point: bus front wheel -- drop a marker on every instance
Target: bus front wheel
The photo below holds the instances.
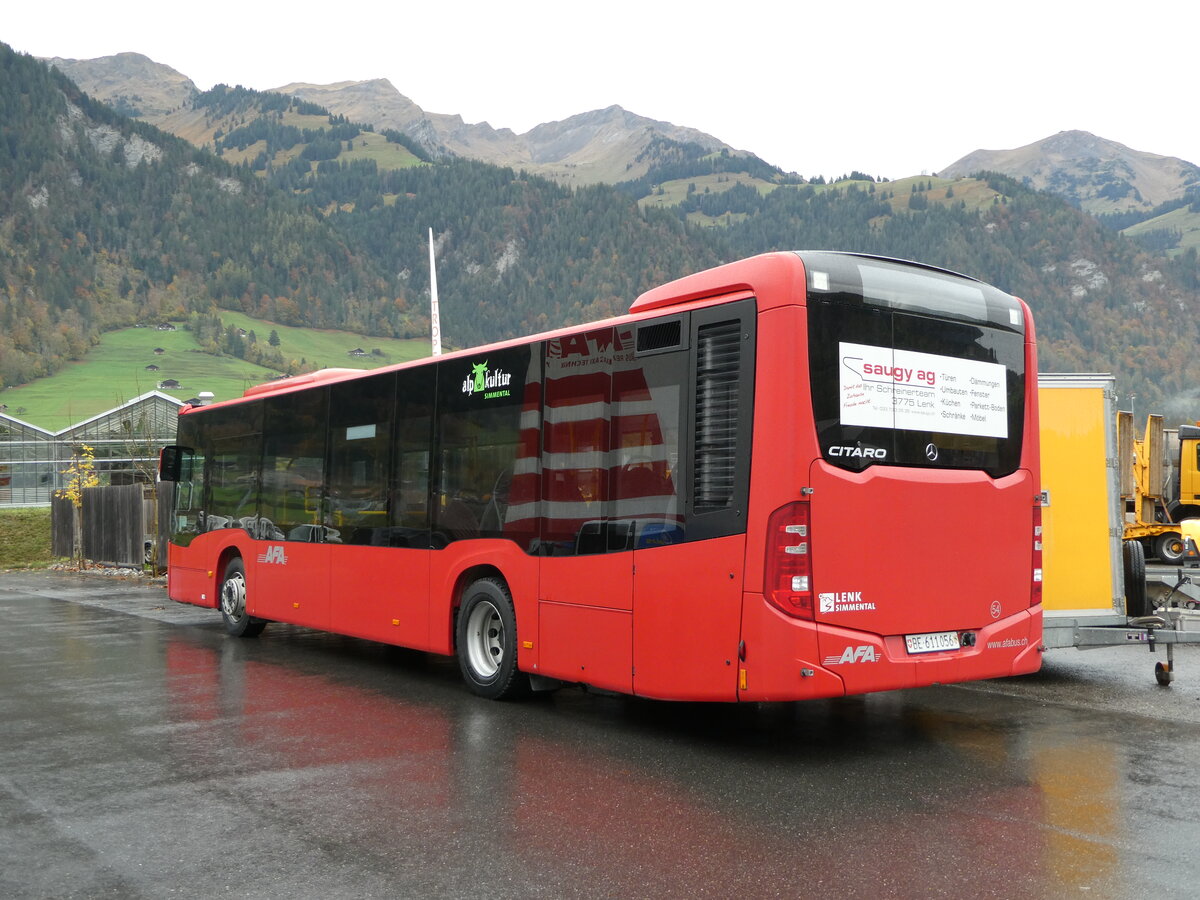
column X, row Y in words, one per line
column 486, row 641
column 238, row 622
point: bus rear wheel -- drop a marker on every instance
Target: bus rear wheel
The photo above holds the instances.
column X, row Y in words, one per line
column 486, row 641
column 238, row 622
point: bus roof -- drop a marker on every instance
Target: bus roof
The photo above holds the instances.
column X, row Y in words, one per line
column 769, row 275
column 775, row 279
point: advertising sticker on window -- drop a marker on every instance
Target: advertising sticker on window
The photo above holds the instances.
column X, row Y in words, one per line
column 886, row 388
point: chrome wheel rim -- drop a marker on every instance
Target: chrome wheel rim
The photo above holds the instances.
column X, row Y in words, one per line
column 485, row 639
column 233, row 596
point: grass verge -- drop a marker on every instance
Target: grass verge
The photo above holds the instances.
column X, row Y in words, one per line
column 25, row 538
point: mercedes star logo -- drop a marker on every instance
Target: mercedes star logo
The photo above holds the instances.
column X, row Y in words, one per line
column 931, row 452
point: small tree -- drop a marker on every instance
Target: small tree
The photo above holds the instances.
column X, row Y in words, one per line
column 80, row 474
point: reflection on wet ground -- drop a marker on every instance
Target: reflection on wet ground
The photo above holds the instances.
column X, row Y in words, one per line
column 144, row 752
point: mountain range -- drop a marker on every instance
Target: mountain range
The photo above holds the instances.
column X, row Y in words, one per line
column 609, row 145
column 310, row 206
column 605, row 145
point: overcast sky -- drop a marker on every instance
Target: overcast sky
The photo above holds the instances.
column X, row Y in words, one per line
column 887, row 88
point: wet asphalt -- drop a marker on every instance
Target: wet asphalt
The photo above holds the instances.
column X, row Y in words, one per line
column 144, row 754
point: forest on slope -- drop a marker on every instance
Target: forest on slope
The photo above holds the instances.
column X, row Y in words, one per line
column 106, row 222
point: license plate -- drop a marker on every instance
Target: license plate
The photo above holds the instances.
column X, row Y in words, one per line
column 932, row 643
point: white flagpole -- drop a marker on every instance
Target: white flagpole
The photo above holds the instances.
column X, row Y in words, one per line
column 435, row 316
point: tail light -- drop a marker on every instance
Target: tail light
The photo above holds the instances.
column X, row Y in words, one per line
column 1035, row 595
column 789, row 562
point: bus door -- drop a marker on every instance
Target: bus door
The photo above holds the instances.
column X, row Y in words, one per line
column 686, row 408
column 377, row 506
column 585, row 609
column 183, row 467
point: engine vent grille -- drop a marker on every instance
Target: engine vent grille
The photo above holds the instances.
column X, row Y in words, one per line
column 718, row 361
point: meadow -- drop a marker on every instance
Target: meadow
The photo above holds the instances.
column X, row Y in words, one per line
column 117, row 370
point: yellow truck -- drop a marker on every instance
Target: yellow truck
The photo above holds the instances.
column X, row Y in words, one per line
column 1095, row 591
column 1183, row 486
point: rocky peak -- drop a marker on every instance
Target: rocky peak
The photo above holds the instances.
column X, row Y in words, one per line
column 1099, row 174
column 130, row 82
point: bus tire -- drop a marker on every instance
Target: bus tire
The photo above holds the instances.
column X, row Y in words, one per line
column 1169, row 548
column 486, row 641
column 238, row 623
column 1137, row 603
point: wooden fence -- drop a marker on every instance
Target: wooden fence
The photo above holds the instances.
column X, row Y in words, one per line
column 61, row 527
column 121, row 525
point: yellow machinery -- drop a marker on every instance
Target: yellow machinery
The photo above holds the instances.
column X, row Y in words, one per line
column 1156, row 497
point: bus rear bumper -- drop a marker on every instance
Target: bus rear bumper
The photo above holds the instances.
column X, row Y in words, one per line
column 794, row 659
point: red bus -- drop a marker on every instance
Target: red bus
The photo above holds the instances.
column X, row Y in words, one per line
column 799, row 475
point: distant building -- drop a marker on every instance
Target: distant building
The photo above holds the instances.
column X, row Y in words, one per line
column 152, row 368
column 169, row 384
column 166, row 326
column 357, row 351
column 159, row 351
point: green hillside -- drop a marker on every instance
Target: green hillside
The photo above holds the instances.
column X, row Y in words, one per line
column 116, row 369
column 676, row 191
column 327, row 349
column 1179, row 229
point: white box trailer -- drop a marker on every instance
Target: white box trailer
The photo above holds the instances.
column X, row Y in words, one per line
column 1094, row 591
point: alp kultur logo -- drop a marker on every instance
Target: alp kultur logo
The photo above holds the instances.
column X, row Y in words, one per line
column 489, row 382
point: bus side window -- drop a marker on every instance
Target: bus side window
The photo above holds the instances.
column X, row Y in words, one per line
column 412, row 449
column 480, row 407
column 360, row 431
column 233, row 454
column 575, row 441
column 293, row 468
column 647, row 475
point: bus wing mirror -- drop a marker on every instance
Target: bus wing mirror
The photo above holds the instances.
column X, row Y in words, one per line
column 170, row 462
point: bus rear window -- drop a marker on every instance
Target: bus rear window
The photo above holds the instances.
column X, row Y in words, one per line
column 914, row 369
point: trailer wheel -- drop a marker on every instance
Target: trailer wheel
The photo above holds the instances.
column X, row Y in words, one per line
column 1137, row 603
column 1170, row 548
column 1163, row 674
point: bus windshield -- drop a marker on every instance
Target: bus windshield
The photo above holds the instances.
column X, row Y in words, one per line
column 913, row 366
